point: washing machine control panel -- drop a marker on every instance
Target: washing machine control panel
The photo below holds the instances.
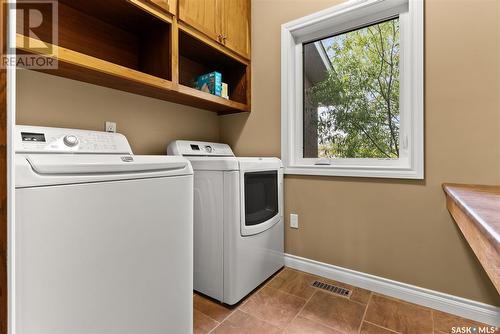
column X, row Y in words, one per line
column 198, row 148
column 55, row 140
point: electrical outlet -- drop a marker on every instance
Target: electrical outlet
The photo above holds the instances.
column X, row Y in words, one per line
column 294, row 220
column 110, row 127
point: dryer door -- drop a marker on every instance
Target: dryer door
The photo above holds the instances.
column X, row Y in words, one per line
column 261, row 200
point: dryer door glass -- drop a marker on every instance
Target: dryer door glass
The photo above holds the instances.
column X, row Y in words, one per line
column 261, row 197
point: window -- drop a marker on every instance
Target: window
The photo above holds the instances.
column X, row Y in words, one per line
column 351, row 94
column 352, row 91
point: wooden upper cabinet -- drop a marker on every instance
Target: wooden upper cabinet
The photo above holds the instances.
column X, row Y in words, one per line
column 169, row 6
column 202, row 15
column 225, row 21
column 236, row 26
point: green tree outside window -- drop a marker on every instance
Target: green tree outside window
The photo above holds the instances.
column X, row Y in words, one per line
column 357, row 102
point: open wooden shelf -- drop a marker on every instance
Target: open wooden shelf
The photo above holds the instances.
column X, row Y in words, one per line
column 197, row 58
column 125, row 35
column 127, row 46
column 205, row 100
column 79, row 66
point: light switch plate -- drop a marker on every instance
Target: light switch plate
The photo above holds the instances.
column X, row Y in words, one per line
column 110, row 127
column 294, row 220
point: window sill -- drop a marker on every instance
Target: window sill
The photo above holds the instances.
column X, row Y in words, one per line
column 381, row 172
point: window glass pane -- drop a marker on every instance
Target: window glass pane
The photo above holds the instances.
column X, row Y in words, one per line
column 351, row 94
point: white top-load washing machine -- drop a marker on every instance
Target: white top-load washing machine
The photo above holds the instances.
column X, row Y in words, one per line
column 102, row 238
column 238, row 219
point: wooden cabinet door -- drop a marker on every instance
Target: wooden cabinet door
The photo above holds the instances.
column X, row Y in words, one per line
column 167, row 5
column 236, row 26
column 204, row 15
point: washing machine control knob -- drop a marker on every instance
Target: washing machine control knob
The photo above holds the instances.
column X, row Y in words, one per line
column 209, row 149
column 70, row 140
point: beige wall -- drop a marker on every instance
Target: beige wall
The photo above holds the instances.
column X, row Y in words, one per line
column 149, row 124
column 395, row 229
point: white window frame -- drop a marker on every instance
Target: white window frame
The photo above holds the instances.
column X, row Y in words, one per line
column 341, row 18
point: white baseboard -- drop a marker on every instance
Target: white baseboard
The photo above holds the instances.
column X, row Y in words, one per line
column 462, row 307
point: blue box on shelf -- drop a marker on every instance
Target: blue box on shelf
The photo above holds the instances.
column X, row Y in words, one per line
column 210, row 83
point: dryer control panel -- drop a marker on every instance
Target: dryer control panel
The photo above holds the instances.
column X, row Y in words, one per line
column 34, row 139
column 199, row 148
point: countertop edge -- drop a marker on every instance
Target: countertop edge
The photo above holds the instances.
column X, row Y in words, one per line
column 489, row 232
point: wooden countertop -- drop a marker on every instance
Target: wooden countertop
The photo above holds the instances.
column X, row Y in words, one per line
column 476, row 210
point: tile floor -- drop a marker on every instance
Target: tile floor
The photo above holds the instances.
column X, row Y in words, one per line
column 288, row 304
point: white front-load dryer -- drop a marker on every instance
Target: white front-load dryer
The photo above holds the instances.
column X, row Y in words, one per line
column 238, row 219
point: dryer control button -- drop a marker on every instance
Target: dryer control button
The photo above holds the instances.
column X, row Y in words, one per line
column 209, row 149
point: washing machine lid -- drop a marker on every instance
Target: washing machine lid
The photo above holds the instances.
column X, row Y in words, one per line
column 56, row 169
column 52, row 164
